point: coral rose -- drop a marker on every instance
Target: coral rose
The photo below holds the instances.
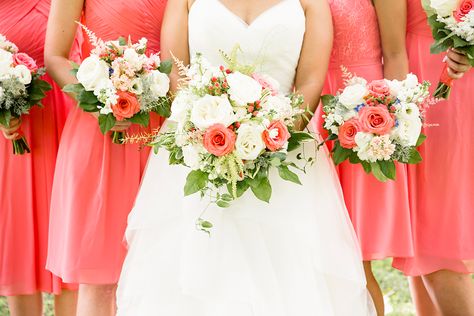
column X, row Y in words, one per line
column 379, row 88
column 219, row 140
column 348, row 132
column 376, row 120
column 25, row 60
column 464, row 8
column 126, row 107
column 276, row 135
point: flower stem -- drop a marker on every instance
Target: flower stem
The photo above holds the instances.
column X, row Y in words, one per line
column 118, row 137
column 20, row 146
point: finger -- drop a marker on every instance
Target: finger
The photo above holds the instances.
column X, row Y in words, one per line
column 457, row 67
column 455, row 75
column 460, row 59
column 457, row 51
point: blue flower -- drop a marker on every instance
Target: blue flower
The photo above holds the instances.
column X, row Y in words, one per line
column 360, row 106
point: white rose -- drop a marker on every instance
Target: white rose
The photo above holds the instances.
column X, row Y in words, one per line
column 210, row 110
column 132, row 58
column 444, row 8
column 249, row 143
column 159, row 83
column 181, row 107
column 192, row 155
column 6, row 60
column 22, row 73
column 353, row 95
column 243, row 89
column 92, row 72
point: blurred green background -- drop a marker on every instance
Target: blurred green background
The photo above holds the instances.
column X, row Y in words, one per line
column 394, row 286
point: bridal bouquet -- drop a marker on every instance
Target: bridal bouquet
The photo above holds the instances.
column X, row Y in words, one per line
column 452, row 23
column 20, row 88
column 377, row 123
column 231, row 125
column 121, row 82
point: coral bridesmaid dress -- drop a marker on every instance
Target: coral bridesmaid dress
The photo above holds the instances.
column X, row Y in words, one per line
column 442, row 186
column 26, row 181
column 96, row 181
column 379, row 211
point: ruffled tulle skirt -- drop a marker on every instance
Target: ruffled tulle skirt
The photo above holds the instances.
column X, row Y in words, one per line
column 295, row 256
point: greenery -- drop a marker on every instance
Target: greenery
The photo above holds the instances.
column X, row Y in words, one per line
column 394, row 286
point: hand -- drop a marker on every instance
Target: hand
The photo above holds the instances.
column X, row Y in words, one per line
column 458, row 64
column 11, row 132
column 119, row 125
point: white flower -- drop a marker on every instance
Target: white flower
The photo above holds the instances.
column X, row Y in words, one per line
column 395, row 86
column 133, row 58
column 192, row 155
column 243, row 89
column 249, row 143
column 181, row 106
column 210, row 110
column 159, row 83
column 363, row 140
column 353, row 95
column 277, row 106
column 6, row 60
column 444, row 7
column 1, row 93
column 22, row 73
column 92, row 72
column 136, row 86
column 411, row 82
column 107, row 95
column 409, row 124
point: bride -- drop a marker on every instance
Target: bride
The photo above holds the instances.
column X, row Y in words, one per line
column 295, row 256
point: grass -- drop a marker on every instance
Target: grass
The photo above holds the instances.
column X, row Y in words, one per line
column 394, row 287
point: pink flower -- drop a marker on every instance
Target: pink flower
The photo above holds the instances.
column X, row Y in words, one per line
column 126, row 107
column 219, row 140
column 464, row 8
column 267, row 83
column 25, row 60
column 376, row 120
column 379, row 89
column 276, row 136
column 347, row 133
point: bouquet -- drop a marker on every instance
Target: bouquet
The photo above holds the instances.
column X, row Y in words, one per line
column 230, row 126
column 20, row 88
column 121, row 82
column 377, row 123
column 452, row 23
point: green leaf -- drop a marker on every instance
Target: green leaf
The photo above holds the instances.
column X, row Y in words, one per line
column 367, row 167
column 263, row 191
column 377, row 172
column 354, row 159
column 288, row 175
column 420, row 140
column 122, row 41
column 75, row 88
column 340, row 153
column 297, row 138
column 37, row 91
column 163, row 107
column 415, row 157
column 459, row 42
column 106, row 122
column 195, row 182
column 242, row 187
column 166, row 66
column 5, row 117
column 388, row 169
column 87, row 97
column 327, row 99
column 222, row 203
column 142, row 118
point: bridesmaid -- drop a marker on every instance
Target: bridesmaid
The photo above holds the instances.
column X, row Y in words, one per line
column 95, row 181
column 441, row 187
column 26, row 181
column 379, row 211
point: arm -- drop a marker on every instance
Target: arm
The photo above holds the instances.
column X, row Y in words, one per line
column 60, row 36
column 174, row 35
column 315, row 54
column 392, row 17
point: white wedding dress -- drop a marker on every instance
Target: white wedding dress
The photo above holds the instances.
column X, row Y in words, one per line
column 297, row 256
